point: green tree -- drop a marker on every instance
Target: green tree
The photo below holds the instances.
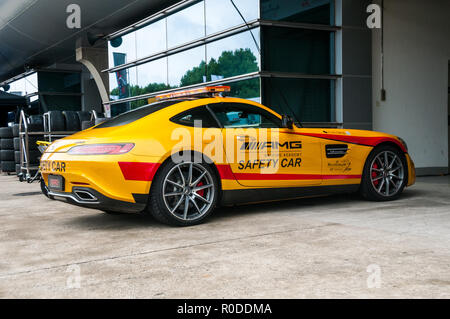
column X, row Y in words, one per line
column 230, row 63
column 136, row 90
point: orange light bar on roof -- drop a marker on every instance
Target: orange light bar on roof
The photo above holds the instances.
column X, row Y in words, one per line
column 212, row 90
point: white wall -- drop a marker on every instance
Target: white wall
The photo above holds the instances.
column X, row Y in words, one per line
column 416, row 55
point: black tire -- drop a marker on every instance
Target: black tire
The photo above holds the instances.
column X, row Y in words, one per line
column 35, row 127
column 368, row 187
column 32, row 146
column 16, row 142
column 83, row 116
column 57, row 121
column 15, row 129
column 35, row 156
column 36, row 119
column 87, row 124
column 7, row 144
column 72, row 121
column 6, row 132
column 8, row 166
column 7, row 155
column 157, row 206
column 17, row 157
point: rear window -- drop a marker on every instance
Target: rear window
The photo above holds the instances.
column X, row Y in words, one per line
column 134, row 115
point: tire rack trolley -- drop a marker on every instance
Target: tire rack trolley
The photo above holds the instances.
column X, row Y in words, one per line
column 24, row 135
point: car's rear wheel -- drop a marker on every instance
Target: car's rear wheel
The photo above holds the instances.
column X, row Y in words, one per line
column 183, row 194
column 385, row 174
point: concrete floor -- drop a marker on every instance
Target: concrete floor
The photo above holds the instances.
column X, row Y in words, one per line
column 311, row 248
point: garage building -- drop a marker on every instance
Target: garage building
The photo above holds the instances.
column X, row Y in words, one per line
column 317, row 60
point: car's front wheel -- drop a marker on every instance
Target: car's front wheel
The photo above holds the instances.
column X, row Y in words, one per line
column 385, row 174
column 183, row 194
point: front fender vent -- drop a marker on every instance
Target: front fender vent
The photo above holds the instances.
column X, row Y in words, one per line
column 336, row 150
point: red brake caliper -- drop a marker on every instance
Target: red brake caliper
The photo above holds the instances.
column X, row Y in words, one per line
column 202, row 191
column 374, row 174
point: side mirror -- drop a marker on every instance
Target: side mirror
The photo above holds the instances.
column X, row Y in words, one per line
column 287, row 122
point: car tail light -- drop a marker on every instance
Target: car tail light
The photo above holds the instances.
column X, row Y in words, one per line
column 101, row 149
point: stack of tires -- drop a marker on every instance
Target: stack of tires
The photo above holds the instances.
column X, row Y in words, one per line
column 16, row 142
column 69, row 121
column 7, row 150
column 36, row 124
column 86, row 122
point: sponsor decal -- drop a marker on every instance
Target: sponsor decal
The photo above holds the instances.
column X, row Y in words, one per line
column 290, row 145
column 340, row 166
column 53, row 166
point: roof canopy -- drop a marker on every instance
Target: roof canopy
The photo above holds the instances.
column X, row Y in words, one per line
column 8, row 99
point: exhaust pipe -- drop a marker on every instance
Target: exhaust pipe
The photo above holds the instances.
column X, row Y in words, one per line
column 85, row 195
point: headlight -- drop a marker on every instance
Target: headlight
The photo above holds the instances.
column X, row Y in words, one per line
column 404, row 143
column 101, row 149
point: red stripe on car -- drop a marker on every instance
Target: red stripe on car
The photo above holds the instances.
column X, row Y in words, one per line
column 367, row 141
column 225, row 172
column 138, row 171
column 286, row 177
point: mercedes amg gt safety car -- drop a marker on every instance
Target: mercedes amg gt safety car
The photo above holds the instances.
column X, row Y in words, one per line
column 181, row 156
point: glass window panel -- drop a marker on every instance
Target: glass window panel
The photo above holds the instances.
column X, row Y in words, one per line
column 239, row 115
column 187, row 67
column 309, row 100
column 199, row 116
column 297, row 50
column 186, row 25
column 24, row 86
column 232, row 56
column 17, row 87
column 31, row 83
column 313, row 11
column 221, row 14
column 127, row 47
column 152, row 73
column 122, row 82
column 146, row 78
column 151, row 39
column 246, row 89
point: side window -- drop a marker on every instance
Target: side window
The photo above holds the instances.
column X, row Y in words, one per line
column 239, row 115
column 199, row 115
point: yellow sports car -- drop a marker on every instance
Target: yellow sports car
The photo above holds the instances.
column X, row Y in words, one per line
column 180, row 157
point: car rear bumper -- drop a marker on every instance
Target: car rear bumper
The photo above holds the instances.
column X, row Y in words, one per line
column 90, row 198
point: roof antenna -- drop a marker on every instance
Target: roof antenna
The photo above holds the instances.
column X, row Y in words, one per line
column 259, row 51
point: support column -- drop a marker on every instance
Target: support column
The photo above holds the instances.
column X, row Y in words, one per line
column 95, row 59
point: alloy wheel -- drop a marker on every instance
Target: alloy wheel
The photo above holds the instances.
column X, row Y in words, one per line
column 188, row 191
column 387, row 173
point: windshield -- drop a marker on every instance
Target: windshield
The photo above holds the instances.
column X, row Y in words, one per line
column 136, row 114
